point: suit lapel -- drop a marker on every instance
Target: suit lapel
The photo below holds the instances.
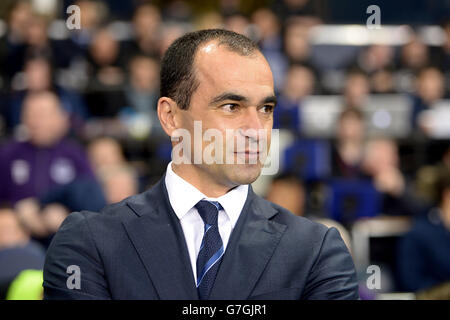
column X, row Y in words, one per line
column 158, row 238
column 251, row 246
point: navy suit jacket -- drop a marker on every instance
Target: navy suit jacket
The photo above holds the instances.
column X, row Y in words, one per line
column 136, row 249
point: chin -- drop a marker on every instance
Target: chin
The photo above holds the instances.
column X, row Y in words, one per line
column 246, row 173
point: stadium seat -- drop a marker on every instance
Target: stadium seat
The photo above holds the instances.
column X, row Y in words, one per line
column 374, row 242
column 310, row 159
column 351, row 199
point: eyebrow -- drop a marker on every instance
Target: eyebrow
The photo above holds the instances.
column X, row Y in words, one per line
column 237, row 97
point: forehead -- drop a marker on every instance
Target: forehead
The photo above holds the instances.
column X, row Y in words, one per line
column 41, row 103
column 219, row 69
column 7, row 215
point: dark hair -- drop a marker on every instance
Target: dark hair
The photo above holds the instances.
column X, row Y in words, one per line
column 36, row 94
column 351, row 112
column 177, row 72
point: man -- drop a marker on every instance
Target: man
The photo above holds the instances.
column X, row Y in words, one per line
column 35, row 172
column 201, row 232
column 423, row 259
column 47, row 159
column 18, row 252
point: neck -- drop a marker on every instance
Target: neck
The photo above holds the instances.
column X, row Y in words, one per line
column 201, row 180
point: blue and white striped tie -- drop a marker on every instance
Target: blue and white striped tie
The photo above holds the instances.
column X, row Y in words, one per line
column 211, row 249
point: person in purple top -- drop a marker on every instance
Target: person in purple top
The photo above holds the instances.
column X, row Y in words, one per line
column 47, row 159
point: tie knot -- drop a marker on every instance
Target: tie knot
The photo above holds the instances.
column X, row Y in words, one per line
column 209, row 211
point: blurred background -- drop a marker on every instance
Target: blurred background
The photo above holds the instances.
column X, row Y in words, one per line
column 363, row 113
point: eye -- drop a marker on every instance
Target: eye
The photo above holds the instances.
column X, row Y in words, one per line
column 230, row 107
column 268, row 108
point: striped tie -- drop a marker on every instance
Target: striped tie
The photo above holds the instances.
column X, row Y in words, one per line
column 211, row 249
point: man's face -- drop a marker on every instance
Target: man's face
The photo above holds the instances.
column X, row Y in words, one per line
column 235, row 94
column 44, row 119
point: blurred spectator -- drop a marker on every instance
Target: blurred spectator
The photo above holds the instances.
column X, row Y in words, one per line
column 104, row 153
column 83, row 193
column 92, row 14
column 413, row 57
column 296, row 43
column 14, row 42
column 269, row 37
column 383, row 81
column 38, row 76
column 105, row 96
column 376, row 57
column 377, row 61
column 428, row 175
column 423, row 257
column 17, row 251
column 288, row 191
column 41, row 223
column 381, row 163
column 142, row 92
column 144, row 77
column 238, row 23
column 46, row 169
column 356, row 90
column 11, row 232
column 37, row 36
column 119, row 182
column 59, row 51
column 43, row 216
column 298, row 83
column 47, row 159
column 430, row 88
column 348, row 151
column 269, row 29
column 170, row 32
column 147, row 31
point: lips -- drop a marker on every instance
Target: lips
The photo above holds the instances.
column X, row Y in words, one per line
column 247, row 152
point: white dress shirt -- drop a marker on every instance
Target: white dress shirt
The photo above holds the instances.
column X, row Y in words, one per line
column 183, row 197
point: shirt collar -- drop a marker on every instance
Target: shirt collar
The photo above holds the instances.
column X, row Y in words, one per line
column 183, row 196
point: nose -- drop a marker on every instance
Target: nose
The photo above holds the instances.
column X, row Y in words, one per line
column 252, row 122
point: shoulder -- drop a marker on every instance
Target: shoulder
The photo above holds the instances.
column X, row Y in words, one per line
column 297, row 226
column 425, row 228
column 111, row 217
column 11, row 147
column 322, row 253
column 317, row 237
column 14, row 150
column 71, row 145
column 72, row 150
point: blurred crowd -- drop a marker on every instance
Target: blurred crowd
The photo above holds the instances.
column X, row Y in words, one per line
column 78, row 124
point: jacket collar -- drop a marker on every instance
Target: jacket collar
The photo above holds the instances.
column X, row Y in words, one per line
column 158, row 238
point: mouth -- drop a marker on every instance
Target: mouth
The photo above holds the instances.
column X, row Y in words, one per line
column 247, row 152
column 249, row 157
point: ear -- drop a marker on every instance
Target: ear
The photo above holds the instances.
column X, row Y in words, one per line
column 167, row 114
